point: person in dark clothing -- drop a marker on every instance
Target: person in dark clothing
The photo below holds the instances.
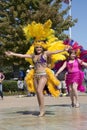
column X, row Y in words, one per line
column 2, row 77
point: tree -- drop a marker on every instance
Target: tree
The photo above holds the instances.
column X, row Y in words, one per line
column 14, row 14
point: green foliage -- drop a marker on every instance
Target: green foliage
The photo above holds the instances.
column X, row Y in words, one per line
column 15, row 14
column 10, row 86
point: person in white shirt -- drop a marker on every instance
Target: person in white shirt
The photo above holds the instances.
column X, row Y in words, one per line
column 20, row 84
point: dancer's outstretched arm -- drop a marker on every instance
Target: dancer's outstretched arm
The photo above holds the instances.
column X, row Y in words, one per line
column 10, row 53
column 61, row 69
column 58, row 51
column 82, row 63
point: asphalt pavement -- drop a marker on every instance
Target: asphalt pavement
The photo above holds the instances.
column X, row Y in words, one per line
column 22, row 113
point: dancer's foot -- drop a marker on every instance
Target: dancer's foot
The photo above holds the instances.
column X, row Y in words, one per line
column 41, row 114
column 73, row 105
column 77, row 105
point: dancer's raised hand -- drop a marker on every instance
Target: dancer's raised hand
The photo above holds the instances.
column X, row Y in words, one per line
column 9, row 53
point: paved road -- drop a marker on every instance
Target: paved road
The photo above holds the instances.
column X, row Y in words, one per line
column 21, row 114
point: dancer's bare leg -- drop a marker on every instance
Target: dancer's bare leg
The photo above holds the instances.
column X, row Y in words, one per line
column 40, row 96
column 71, row 95
column 75, row 85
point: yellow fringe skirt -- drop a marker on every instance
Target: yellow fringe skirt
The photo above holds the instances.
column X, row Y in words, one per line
column 52, row 82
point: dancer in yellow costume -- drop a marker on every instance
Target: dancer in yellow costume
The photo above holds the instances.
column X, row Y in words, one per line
column 41, row 75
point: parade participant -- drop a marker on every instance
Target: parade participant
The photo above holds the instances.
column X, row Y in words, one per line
column 45, row 50
column 74, row 76
column 2, row 77
column 42, row 73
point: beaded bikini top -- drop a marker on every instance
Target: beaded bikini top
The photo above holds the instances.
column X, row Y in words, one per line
column 41, row 60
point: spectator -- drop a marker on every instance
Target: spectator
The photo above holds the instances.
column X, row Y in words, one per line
column 20, row 84
column 22, row 74
column 62, row 85
column 2, row 77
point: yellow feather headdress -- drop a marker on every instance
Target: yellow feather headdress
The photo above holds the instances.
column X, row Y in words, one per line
column 43, row 35
column 38, row 31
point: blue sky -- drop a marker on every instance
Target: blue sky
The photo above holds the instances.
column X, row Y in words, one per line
column 79, row 31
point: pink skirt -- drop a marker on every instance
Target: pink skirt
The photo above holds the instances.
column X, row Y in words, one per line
column 75, row 77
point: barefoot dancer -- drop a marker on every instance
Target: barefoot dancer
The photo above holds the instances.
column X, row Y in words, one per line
column 74, row 76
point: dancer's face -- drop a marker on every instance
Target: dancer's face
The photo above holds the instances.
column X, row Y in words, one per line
column 39, row 49
column 73, row 55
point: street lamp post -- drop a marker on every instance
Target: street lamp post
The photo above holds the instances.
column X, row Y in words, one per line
column 70, row 14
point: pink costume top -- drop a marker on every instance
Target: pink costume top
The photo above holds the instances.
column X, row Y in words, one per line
column 75, row 75
column 73, row 67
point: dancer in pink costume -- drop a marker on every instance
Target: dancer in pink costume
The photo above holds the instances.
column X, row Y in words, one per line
column 74, row 76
